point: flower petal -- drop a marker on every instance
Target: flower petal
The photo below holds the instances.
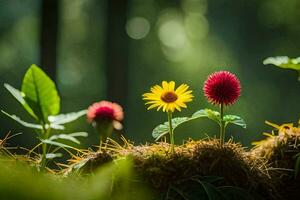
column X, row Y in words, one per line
column 171, row 86
column 165, row 85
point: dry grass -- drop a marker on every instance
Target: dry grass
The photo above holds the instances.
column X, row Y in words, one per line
column 279, row 150
column 160, row 168
column 31, row 158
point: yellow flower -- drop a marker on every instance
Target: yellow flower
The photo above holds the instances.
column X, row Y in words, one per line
column 167, row 98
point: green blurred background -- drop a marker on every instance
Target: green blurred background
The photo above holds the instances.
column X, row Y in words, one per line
column 116, row 50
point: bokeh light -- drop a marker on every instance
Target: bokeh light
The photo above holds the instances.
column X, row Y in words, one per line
column 137, row 28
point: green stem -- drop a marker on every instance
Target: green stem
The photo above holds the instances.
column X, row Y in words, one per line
column 222, row 125
column 45, row 135
column 105, row 130
column 171, row 131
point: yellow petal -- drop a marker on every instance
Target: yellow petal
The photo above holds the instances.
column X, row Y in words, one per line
column 151, row 102
column 160, row 106
column 156, row 89
column 181, row 104
column 171, row 107
column 181, row 89
column 177, row 107
column 171, row 86
column 165, row 85
column 153, row 106
column 165, row 107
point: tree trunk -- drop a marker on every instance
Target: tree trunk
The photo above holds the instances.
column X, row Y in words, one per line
column 48, row 36
column 116, row 51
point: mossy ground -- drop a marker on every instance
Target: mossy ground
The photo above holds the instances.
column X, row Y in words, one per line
column 267, row 169
column 160, row 168
column 279, row 150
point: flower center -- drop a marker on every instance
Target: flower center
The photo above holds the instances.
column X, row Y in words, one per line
column 169, row 97
column 104, row 113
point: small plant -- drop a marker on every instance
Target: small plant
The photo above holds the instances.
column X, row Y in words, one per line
column 285, row 63
column 39, row 97
column 221, row 88
column 105, row 116
column 168, row 99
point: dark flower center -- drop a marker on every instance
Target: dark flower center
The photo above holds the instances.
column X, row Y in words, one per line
column 104, row 113
column 169, row 97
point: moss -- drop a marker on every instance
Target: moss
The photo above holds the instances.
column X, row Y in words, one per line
column 160, row 168
column 279, row 151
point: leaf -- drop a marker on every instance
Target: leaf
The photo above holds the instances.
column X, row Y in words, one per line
column 211, row 191
column 234, row 119
column 64, row 137
column 55, row 126
column 211, row 114
column 206, row 191
column 53, row 155
column 57, row 144
column 79, row 134
column 66, row 118
column 26, row 124
column 40, row 93
column 235, row 193
column 31, row 125
column 19, row 97
column 210, row 179
column 284, row 62
column 70, row 137
column 163, row 129
column 297, row 165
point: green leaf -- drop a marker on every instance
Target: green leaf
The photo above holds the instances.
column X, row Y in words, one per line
column 64, row 137
column 79, row 134
column 190, row 190
column 31, row 125
column 210, row 179
column 284, row 62
column 26, row 124
column 19, row 97
column 297, row 165
column 234, row 119
column 235, row 193
column 211, row 114
column 53, row 155
column 40, row 93
column 163, row 129
column 57, row 144
column 66, row 118
column 55, row 126
column 210, row 190
column 70, row 137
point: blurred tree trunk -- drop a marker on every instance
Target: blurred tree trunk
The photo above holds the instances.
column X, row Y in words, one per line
column 48, row 36
column 117, row 51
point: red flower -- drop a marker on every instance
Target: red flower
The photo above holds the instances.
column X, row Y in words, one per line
column 105, row 110
column 222, row 88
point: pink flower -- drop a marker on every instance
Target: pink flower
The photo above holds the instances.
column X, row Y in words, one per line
column 222, row 87
column 105, row 110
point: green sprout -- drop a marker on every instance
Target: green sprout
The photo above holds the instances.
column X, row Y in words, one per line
column 40, row 99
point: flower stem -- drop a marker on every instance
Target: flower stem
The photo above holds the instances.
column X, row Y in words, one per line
column 171, row 131
column 222, row 125
column 105, row 129
column 45, row 133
